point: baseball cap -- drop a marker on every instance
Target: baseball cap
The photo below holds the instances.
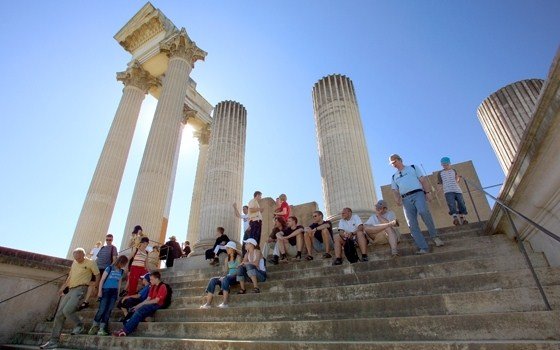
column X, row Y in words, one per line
column 445, row 160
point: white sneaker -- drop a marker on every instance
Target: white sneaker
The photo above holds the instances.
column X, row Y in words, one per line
column 422, row 252
column 223, row 306
column 438, row 242
column 205, row 306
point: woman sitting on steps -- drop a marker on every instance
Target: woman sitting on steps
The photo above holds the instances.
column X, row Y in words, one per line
column 253, row 266
column 226, row 281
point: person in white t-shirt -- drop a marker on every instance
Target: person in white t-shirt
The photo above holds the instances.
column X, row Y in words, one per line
column 93, row 253
column 448, row 182
column 350, row 231
column 380, row 227
column 244, row 218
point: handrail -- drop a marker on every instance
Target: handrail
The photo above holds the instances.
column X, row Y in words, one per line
column 508, row 210
column 505, row 206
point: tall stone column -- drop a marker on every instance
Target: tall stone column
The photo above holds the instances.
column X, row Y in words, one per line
column 97, row 210
column 223, row 183
column 343, row 156
column 504, row 116
column 203, row 137
column 156, row 170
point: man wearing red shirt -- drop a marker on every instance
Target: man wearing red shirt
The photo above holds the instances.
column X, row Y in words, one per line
column 155, row 300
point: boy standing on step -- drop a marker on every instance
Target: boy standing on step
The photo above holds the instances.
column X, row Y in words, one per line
column 448, row 180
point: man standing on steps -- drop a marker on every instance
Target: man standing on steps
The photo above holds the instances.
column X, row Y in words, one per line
column 412, row 190
column 255, row 217
column 72, row 292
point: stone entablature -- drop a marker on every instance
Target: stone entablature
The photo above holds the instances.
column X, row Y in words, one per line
column 148, row 23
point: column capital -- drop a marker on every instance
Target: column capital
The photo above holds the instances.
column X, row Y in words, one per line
column 203, row 135
column 188, row 113
column 138, row 77
column 183, row 47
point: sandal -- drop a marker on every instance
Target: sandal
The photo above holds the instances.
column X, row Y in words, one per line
column 242, row 291
column 83, row 305
column 256, row 290
column 309, row 258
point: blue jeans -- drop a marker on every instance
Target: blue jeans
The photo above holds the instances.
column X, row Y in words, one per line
column 414, row 205
column 138, row 316
column 248, row 270
column 455, row 203
column 223, row 282
column 108, row 299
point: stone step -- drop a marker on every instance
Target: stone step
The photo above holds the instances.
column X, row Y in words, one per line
column 294, row 303
column 368, row 272
column 450, row 284
column 526, row 325
column 493, row 301
column 113, row 343
column 406, row 242
column 481, row 247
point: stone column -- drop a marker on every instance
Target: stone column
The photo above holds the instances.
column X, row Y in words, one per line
column 154, row 177
column 504, row 116
column 223, row 182
column 343, row 155
column 203, row 137
column 95, row 217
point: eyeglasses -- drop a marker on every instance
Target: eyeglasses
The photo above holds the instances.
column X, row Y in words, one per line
column 109, row 240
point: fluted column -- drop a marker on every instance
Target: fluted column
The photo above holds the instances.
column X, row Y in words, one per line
column 343, row 156
column 224, row 173
column 203, row 137
column 97, row 210
column 156, row 170
column 504, row 116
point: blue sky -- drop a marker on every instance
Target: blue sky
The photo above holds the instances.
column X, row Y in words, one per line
column 420, row 69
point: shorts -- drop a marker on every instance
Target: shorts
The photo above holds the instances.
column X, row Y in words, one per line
column 319, row 245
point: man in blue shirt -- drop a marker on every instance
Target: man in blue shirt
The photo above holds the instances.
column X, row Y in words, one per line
column 411, row 190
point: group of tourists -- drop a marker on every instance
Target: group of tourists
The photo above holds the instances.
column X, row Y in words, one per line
column 410, row 189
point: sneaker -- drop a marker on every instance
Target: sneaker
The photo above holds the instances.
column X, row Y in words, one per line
column 205, row 306
column 465, row 221
column 455, row 221
column 422, row 251
column 119, row 333
column 51, row 344
column 337, row 261
column 365, row 258
column 103, row 332
column 327, row 256
column 438, row 242
column 93, row 330
column 394, row 253
column 274, row 260
column 223, row 306
column 79, row 329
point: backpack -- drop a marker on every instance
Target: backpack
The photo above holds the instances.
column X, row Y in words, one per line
column 168, row 296
column 350, row 251
column 164, row 251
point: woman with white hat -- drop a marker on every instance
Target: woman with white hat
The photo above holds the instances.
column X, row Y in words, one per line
column 226, row 281
column 253, row 267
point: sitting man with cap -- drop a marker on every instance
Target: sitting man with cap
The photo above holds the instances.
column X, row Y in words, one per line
column 130, row 301
column 253, row 267
column 380, row 227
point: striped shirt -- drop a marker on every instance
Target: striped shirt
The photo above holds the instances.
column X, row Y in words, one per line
column 448, row 178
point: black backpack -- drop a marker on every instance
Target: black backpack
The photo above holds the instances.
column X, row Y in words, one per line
column 167, row 300
column 350, row 251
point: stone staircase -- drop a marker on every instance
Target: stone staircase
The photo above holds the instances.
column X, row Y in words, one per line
column 473, row 293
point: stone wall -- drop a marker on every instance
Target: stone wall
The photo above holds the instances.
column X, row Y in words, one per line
column 438, row 206
column 532, row 186
column 20, row 271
